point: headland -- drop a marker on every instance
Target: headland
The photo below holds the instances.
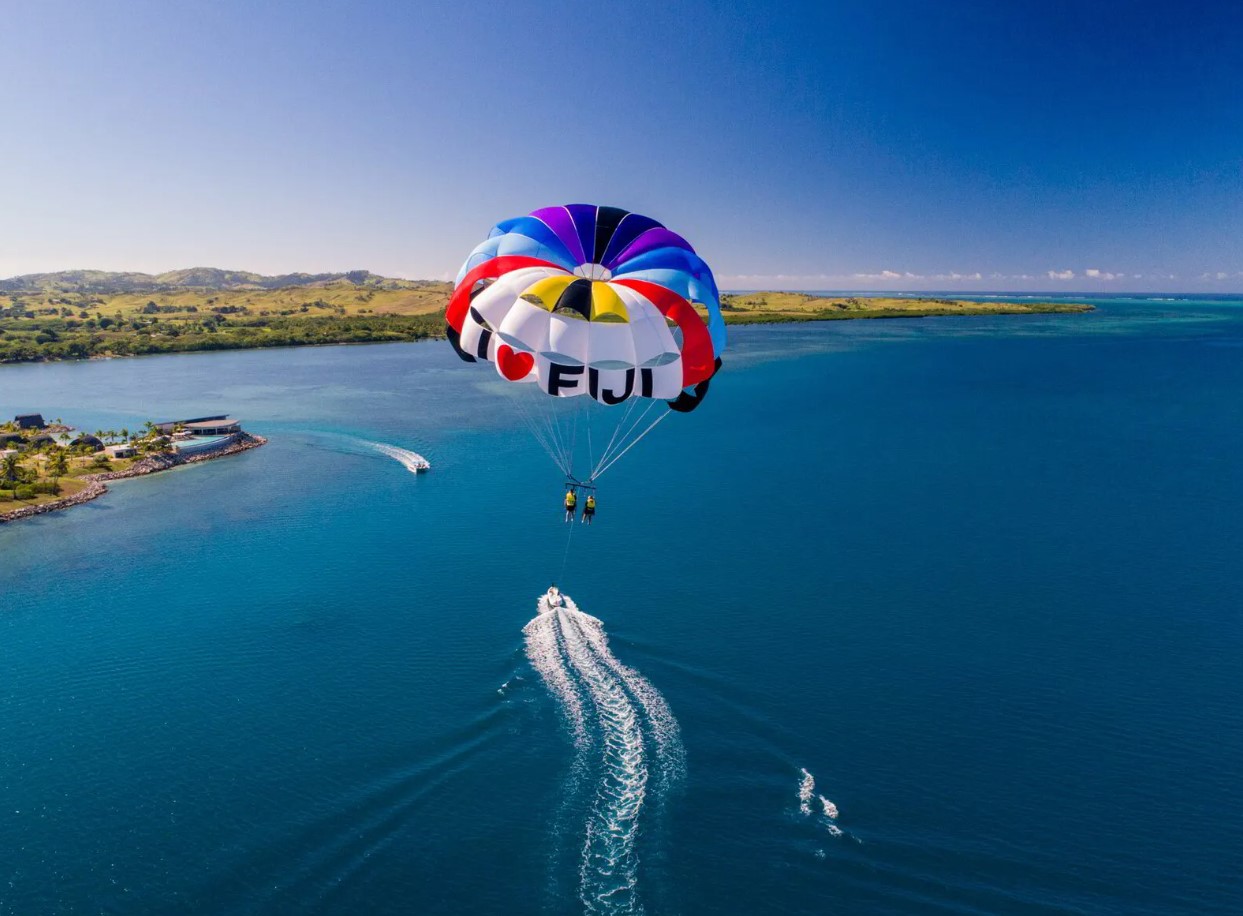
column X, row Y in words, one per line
column 45, row 467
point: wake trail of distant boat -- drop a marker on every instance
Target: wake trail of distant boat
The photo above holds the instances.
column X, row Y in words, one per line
column 619, row 723
column 828, row 810
column 353, row 445
column 411, row 461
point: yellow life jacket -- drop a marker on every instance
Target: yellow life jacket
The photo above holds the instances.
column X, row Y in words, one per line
column 570, row 500
column 591, row 502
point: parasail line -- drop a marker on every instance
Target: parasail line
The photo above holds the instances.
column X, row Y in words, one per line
column 542, row 437
column 565, row 557
column 629, row 410
column 539, row 435
column 573, row 439
column 622, row 439
column 633, row 444
column 591, row 459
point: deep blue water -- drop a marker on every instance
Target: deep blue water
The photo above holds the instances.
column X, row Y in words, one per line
column 980, row 577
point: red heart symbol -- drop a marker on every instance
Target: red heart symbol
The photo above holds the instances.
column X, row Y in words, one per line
column 513, row 366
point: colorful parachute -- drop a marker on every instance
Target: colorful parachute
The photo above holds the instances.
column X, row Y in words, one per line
column 586, row 300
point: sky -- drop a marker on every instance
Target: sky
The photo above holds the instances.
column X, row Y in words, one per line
column 952, row 145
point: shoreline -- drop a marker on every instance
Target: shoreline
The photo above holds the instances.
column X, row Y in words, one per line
column 152, row 464
column 812, row 308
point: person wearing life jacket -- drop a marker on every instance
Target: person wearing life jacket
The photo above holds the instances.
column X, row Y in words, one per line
column 571, row 503
column 589, row 509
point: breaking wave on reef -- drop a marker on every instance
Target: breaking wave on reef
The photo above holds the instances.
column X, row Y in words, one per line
column 627, row 743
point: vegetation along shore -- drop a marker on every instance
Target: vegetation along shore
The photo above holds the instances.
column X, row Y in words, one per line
column 82, row 314
column 49, row 466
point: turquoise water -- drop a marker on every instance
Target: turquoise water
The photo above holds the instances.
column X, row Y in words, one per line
column 198, row 442
column 979, row 577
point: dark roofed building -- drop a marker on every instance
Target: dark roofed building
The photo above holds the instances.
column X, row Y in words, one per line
column 7, row 439
column 29, row 421
column 217, row 426
column 40, row 441
column 93, row 441
column 197, row 424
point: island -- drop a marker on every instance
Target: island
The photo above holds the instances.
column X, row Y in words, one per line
column 48, row 466
column 85, row 314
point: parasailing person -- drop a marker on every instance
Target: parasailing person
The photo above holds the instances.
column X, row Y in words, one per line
column 589, row 311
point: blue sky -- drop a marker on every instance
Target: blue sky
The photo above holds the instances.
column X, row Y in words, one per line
column 906, row 145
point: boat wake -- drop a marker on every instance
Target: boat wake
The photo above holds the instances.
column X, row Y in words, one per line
column 354, row 445
column 411, row 461
column 828, row 810
column 627, row 744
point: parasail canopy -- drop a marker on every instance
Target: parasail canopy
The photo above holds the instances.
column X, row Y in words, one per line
column 596, row 301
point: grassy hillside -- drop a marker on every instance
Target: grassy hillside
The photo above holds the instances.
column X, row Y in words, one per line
column 64, row 324
column 767, row 307
column 81, row 314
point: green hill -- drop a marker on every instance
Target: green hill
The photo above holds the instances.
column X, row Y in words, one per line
column 206, row 278
column 78, row 314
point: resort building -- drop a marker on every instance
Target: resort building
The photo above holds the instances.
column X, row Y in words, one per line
column 120, row 451
column 214, row 426
column 222, row 425
column 29, row 421
column 202, row 434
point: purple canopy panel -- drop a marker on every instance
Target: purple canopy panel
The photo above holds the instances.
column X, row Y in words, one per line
column 650, row 241
column 558, row 219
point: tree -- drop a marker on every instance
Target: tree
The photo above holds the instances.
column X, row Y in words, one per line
column 58, row 466
column 9, row 468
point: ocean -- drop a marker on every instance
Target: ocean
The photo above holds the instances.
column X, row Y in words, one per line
column 911, row 616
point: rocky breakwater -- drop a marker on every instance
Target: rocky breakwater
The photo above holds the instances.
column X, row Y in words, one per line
column 151, row 464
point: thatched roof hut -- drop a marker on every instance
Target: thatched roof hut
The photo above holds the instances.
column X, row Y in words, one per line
column 94, row 442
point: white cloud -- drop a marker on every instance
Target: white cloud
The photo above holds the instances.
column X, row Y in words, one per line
column 1061, row 275
column 1093, row 273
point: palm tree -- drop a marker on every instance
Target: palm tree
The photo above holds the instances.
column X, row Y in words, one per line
column 58, row 466
column 125, row 435
column 9, row 468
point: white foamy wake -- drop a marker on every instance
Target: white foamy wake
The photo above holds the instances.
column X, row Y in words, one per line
column 618, row 721
column 411, row 461
column 806, row 787
column 828, row 810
